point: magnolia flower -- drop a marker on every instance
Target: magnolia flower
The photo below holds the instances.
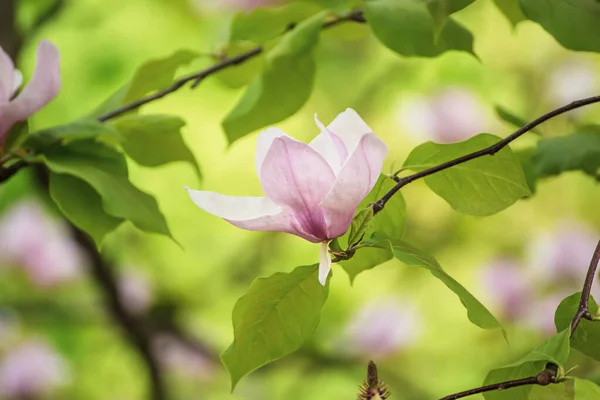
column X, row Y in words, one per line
column 31, row 370
column 448, row 116
column 42, row 88
column 312, row 190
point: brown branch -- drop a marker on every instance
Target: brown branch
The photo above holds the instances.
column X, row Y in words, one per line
column 583, row 311
column 491, row 150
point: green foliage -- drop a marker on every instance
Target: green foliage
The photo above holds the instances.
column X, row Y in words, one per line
column 283, row 87
column 82, row 205
column 262, row 24
column 105, row 170
column 512, row 118
column 585, row 389
column 483, row 186
column 577, row 151
column 78, row 130
column 390, row 221
column 360, row 224
column 555, row 350
column 153, row 140
column 277, row 315
column 558, row 18
column 15, row 136
column 511, row 10
column 407, row 27
column 152, row 76
column 242, row 74
column 586, row 337
column 383, row 249
column 440, row 10
column 525, row 157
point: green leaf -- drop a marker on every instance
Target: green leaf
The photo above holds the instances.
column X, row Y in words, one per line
column 558, row 18
column 574, row 152
column 512, row 118
column 277, row 315
column 483, row 186
column 263, row 24
column 390, row 221
column 82, row 205
column 585, row 389
column 407, row 27
column 359, row 225
column 371, row 254
column 440, row 10
column 153, row 140
column 152, row 76
column 240, row 75
column 525, row 158
column 105, row 170
column 78, row 130
column 555, row 350
column 15, row 136
column 384, row 249
column 283, row 87
column 586, row 337
column 511, row 10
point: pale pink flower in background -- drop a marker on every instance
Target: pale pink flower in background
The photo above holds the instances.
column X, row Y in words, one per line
column 574, row 79
column 539, row 314
column 178, row 356
column 508, row 287
column 42, row 246
column 382, row 328
column 450, row 115
column 42, row 88
column 312, row 190
column 30, row 370
column 135, row 290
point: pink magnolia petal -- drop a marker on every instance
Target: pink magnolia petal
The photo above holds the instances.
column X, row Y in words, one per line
column 324, row 262
column 350, row 128
column 330, row 146
column 355, row 180
column 251, row 213
column 263, row 144
column 42, row 88
column 295, row 176
column 6, row 76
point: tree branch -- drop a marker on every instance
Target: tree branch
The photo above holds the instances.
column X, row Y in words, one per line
column 544, row 378
column 493, row 149
column 583, row 311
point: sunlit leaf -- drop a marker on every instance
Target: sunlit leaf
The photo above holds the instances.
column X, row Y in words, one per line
column 15, row 136
column 382, row 249
column 578, row 151
column 585, row 389
column 407, row 27
column 392, row 219
column 283, row 87
column 153, row 140
column 82, row 205
column 152, row 76
column 277, row 315
column 440, row 10
column 241, row 74
column 512, row 118
column 555, row 350
column 525, row 158
column 558, row 16
column 78, row 130
column 511, row 10
column 586, row 337
column 359, row 225
column 263, row 24
column 483, row 186
column 105, row 170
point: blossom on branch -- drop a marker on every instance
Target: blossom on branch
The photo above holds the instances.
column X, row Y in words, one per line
column 42, row 88
column 312, row 190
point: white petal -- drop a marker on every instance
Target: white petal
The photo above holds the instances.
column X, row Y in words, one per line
column 350, row 127
column 330, row 146
column 6, row 76
column 324, row 262
column 233, row 208
column 263, row 144
column 17, row 81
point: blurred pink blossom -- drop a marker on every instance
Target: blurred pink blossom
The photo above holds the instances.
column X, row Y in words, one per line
column 508, row 287
column 42, row 246
column 540, row 313
column 574, row 79
column 135, row 290
column 382, row 328
column 30, row 370
column 182, row 358
column 452, row 114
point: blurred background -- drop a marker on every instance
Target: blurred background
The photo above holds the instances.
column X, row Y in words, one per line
column 58, row 339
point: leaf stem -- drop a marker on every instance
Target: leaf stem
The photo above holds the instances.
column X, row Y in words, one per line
column 491, row 150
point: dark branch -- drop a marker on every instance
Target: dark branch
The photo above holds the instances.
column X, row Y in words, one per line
column 493, row 149
column 544, row 378
column 583, row 311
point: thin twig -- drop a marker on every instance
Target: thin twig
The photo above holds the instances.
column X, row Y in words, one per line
column 583, row 311
column 544, row 378
column 491, row 150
